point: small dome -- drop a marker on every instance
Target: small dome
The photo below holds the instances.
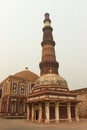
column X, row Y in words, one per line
column 27, row 75
column 51, row 80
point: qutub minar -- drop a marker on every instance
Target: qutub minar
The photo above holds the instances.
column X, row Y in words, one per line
column 45, row 98
column 50, row 99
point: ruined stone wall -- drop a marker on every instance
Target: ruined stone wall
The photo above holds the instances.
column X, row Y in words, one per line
column 82, row 106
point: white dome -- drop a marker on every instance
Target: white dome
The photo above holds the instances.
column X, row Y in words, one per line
column 51, row 80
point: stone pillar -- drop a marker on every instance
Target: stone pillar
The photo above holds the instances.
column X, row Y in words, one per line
column 76, row 112
column 32, row 118
column 0, row 104
column 69, row 112
column 57, row 112
column 28, row 112
column 46, row 112
column 40, row 112
column 7, row 106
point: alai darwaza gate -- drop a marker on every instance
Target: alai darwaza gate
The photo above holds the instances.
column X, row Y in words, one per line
column 50, row 99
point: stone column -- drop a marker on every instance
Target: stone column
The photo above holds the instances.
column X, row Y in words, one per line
column 40, row 112
column 7, row 106
column 32, row 118
column 28, row 112
column 76, row 112
column 57, row 112
column 46, row 112
column 69, row 112
column 0, row 104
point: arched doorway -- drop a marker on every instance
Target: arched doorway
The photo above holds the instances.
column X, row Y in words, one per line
column 20, row 107
column 13, row 107
column 36, row 114
column 72, row 111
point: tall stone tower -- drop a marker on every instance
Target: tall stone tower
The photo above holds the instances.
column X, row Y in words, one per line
column 48, row 63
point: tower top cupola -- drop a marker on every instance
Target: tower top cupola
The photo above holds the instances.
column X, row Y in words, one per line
column 47, row 20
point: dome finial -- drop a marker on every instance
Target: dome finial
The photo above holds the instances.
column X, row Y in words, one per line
column 26, row 68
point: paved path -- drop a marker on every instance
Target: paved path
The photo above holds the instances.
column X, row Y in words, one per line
column 13, row 124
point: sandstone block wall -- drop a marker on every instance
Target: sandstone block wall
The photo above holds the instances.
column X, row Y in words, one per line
column 82, row 106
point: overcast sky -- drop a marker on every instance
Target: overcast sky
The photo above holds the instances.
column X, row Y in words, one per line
column 21, row 23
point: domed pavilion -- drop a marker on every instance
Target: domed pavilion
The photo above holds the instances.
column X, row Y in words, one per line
column 50, row 99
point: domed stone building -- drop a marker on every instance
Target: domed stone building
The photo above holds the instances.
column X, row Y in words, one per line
column 50, row 99
column 15, row 89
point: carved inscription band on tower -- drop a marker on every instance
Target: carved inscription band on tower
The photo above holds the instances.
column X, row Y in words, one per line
column 48, row 62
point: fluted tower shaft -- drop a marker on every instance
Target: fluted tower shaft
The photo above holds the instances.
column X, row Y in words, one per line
column 48, row 62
